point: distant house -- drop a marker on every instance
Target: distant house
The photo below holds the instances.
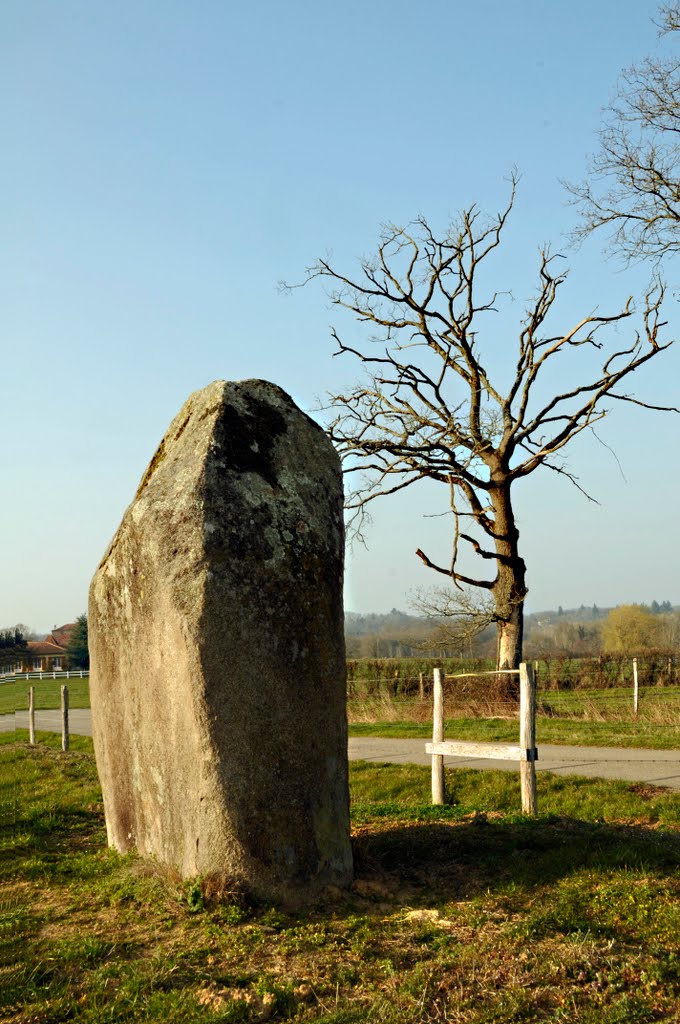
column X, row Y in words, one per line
column 48, row 655
column 60, row 635
column 43, row 656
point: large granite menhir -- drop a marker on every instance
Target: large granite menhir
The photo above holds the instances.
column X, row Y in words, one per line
column 217, row 650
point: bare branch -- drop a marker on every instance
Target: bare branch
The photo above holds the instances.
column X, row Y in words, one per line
column 633, row 191
column 458, row 616
column 573, row 479
column 457, row 577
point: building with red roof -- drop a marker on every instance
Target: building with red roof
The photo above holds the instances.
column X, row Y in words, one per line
column 48, row 655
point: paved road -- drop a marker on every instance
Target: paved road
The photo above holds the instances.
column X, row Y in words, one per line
column 657, row 767
column 79, row 720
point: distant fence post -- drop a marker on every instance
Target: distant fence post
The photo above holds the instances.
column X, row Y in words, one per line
column 437, row 737
column 636, row 689
column 527, row 738
column 31, row 715
column 64, row 717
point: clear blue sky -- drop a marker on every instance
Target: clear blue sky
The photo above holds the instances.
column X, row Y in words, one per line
column 165, row 164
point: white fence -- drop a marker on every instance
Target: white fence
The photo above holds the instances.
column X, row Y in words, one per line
column 18, row 677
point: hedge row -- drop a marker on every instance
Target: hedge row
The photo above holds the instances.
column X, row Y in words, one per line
column 401, row 677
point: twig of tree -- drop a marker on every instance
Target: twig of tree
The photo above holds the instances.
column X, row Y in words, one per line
column 633, row 186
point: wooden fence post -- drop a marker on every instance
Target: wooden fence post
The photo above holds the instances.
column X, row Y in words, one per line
column 437, row 737
column 527, row 738
column 636, row 689
column 31, row 715
column 64, row 717
column 421, row 687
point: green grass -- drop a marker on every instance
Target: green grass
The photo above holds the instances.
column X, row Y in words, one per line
column 548, row 730
column 582, row 718
column 656, row 705
column 465, row 913
column 14, row 696
column 51, row 740
column 575, row 699
column 382, row 789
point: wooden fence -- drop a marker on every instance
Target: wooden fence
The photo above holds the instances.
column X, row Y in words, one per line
column 64, row 717
column 525, row 752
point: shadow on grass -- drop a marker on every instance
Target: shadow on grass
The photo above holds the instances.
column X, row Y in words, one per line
column 446, row 861
column 463, row 859
column 55, row 818
column 58, row 827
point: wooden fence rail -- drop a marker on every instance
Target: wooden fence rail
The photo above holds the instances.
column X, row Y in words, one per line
column 525, row 752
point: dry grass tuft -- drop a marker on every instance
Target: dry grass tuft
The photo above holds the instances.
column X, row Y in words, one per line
column 221, row 889
column 382, row 708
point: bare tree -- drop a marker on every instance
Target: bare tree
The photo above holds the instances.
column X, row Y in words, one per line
column 633, row 187
column 428, row 408
column 458, row 616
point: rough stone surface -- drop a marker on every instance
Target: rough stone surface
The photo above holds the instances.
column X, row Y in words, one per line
column 217, row 650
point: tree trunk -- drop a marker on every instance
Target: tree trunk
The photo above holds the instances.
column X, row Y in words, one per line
column 510, row 635
column 509, row 590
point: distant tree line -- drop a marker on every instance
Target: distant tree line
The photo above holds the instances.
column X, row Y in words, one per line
column 12, row 641
column 583, row 632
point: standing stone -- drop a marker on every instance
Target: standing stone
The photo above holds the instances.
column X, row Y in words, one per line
column 217, row 650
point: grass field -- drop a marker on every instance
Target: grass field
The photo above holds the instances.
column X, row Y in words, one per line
column 653, row 700
column 465, row 913
column 548, row 730
column 582, row 718
column 14, row 696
